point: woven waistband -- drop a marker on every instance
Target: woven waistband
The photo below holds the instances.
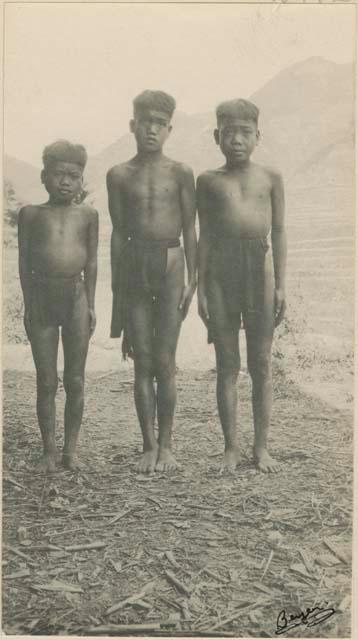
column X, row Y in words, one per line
column 233, row 239
column 40, row 277
column 149, row 243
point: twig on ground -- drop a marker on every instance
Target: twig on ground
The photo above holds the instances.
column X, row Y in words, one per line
column 179, row 585
column 88, row 545
column 336, row 551
column 19, row 553
column 123, row 628
column 135, row 597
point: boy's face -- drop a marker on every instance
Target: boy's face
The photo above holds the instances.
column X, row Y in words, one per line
column 237, row 139
column 63, row 181
column 151, row 128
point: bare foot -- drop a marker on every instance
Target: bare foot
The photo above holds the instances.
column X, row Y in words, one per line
column 166, row 461
column 47, row 464
column 265, row 462
column 231, row 458
column 71, row 462
column 147, row 462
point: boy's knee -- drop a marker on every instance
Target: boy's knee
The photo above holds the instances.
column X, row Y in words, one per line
column 164, row 365
column 227, row 363
column 144, row 364
column 47, row 386
column 260, row 366
column 74, row 385
column 228, row 370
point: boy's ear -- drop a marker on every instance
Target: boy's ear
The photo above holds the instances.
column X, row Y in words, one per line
column 170, row 128
column 43, row 173
column 216, row 136
column 258, row 136
column 131, row 125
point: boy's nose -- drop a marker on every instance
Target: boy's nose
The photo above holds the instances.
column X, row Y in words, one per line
column 238, row 138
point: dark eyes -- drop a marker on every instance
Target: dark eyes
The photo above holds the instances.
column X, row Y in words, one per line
column 231, row 132
column 73, row 176
column 158, row 123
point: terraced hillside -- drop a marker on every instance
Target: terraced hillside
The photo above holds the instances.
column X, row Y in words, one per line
column 307, row 131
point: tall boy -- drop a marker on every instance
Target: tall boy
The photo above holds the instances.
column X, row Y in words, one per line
column 58, row 271
column 239, row 204
column 151, row 202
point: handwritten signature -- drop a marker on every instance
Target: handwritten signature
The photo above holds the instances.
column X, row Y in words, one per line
column 309, row 617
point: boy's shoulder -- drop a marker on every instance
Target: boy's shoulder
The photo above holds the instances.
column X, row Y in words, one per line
column 270, row 172
column 207, row 176
column 28, row 211
column 180, row 169
column 119, row 171
column 87, row 210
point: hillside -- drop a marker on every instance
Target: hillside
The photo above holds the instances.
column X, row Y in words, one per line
column 25, row 179
column 307, row 131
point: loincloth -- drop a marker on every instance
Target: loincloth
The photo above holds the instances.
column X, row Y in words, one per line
column 53, row 299
column 237, row 267
column 142, row 270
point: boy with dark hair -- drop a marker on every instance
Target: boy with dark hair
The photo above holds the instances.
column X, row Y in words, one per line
column 239, row 204
column 151, row 202
column 58, row 271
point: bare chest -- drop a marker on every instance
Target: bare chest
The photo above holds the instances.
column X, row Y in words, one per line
column 150, row 187
column 59, row 229
column 238, row 195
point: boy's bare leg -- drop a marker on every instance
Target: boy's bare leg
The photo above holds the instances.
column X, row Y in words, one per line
column 259, row 336
column 228, row 366
column 75, row 340
column 44, row 345
column 144, row 392
column 168, row 323
column 226, row 343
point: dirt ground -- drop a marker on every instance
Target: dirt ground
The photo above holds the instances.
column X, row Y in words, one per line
column 190, row 553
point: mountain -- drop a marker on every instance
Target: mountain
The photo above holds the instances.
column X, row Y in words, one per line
column 25, row 180
column 306, row 120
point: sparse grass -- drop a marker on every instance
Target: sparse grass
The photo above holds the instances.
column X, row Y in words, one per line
column 212, row 532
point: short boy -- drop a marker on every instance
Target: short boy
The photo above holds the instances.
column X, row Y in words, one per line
column 58, row 271
column 239, row 204
column 151, row 202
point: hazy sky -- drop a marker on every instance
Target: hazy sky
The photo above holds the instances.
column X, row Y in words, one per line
column 71, row 70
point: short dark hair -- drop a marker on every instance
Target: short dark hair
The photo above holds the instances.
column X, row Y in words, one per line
column 238, row 108
column 158, row 100
column 64, row 151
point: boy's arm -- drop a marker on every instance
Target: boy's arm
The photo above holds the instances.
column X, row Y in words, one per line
column 118, row 237
column 90, row 271
column 188, row 208
column 204, row 247
column 279, row 245
column 24, row 222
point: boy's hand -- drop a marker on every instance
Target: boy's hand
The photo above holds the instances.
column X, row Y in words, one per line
column 280, row 306
column 186, row 298
column 92, row 322
column 27, row 323
column 203, row 308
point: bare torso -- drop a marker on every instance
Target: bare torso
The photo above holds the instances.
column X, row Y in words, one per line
column 238, row 203
column 150, row 198
column 59, row 239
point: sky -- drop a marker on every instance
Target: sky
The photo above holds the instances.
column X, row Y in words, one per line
column 72, row 70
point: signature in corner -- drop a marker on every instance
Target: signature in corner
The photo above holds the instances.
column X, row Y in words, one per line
column 309, row 617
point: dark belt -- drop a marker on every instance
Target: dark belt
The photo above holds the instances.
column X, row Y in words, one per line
column 40, row 277
column 155, row 244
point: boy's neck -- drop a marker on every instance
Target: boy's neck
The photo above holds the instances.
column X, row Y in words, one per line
column 238, row 166
column 52, row 202
column 150, row 157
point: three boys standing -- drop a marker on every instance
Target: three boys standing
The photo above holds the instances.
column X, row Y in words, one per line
column 152, row 203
